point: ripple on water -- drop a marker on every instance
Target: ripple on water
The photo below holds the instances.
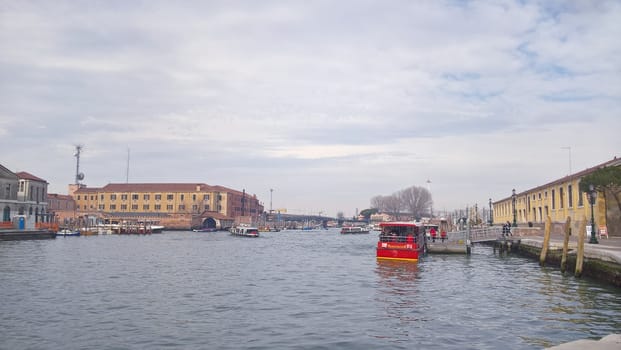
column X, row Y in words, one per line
column 287, row 290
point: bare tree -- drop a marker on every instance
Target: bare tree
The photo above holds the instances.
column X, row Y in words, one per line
column 393, row 204
column 379, row 203
column 416, row 200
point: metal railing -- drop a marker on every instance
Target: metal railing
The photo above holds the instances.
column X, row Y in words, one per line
column 477, row 235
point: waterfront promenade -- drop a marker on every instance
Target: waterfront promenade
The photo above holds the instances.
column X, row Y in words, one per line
column 607, row 249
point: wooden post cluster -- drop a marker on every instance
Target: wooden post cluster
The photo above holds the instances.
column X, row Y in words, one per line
column 567, row 229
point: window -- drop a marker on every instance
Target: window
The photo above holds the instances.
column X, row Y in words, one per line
column 570, row 196
column 124, row 197
column 146, row 197
column 193, row 197
column 134, row 197
column 194, row 207
column 561, row 197
column 78, row 197
column 205, row 197
column 158, row 207
column 134, row 206
column 206, row 206
column 169, row 197
column 158, row 197
column 113, row 197
column 123, row 206
column 580, row 198
column 112, row 206
column 102, row 207
column 145, row 207
column 101, row 197
column 181, row 206
column 169, row 207
column 553, row 201
column 92, row 197
column 182, row 196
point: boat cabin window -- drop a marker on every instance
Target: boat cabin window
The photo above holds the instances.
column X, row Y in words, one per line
column 398, row 233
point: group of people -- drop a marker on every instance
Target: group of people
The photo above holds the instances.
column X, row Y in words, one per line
column 434, row 234
column 506, row 229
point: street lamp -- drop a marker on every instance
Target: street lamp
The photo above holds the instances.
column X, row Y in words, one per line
column 491, row 213
column 271, row 190
column 592, row 197
column 514, row 210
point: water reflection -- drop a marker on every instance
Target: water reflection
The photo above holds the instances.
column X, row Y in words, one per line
column 397, row 293
column 389, row 270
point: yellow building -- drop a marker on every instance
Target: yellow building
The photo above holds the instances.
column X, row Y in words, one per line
column 174, row 205
column 559, row 199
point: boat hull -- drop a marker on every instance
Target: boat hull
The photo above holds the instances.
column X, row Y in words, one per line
column 398, row 251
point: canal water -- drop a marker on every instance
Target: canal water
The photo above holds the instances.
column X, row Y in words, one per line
column 285, row 290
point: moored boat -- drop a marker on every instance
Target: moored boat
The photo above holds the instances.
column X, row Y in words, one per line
column 353, row 230
column 67, row 232
column 205, row 229
column 400, row 241
column 246, row 231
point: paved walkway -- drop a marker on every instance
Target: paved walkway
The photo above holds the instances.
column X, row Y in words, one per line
column 608, row 249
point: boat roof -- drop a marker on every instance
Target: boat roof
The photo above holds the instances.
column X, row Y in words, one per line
column 399, row 223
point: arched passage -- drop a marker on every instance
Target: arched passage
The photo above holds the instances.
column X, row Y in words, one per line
column 209, row 223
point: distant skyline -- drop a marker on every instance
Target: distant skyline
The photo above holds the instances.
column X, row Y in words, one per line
column 327, row 103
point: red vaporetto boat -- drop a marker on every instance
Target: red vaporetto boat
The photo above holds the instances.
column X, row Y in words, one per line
column 401, row 241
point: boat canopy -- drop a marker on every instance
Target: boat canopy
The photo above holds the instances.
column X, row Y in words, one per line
column 399, row 228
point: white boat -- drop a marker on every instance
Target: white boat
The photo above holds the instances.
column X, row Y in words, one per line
column 353, row 230
column 67, row 232
column 246, row 231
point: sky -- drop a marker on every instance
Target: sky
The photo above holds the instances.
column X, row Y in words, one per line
column 314, row 106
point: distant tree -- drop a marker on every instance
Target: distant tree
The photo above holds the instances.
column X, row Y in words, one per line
column 379, row 203
column 368, row 212
column 606, row 180
column 340, row 215
column 416, row 200
column 393, row 204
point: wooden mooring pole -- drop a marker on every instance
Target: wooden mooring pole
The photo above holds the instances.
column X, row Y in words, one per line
column 580, row 257
column 566, row 244
column 546, row 241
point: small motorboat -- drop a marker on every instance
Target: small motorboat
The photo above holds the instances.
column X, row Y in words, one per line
column 246, row 231
column 67, row 232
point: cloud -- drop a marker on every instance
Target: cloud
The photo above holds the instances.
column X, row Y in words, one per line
column 329, row 103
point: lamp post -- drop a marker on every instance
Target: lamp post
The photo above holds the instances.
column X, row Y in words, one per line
column 592, row 197
column 491, row 213
column 514, row 210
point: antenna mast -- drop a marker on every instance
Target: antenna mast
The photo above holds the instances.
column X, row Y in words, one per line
column 78, row 175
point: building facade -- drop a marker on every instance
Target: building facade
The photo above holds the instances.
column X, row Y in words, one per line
column 174, row 205
column 62, row 208
column 559, row 200
column 23, row 197
column 8, row 196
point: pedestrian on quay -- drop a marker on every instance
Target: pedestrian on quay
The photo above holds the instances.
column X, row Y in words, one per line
column 433, row 233
column 443, row 235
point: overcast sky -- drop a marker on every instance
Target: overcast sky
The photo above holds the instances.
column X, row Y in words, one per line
column 328, row 103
